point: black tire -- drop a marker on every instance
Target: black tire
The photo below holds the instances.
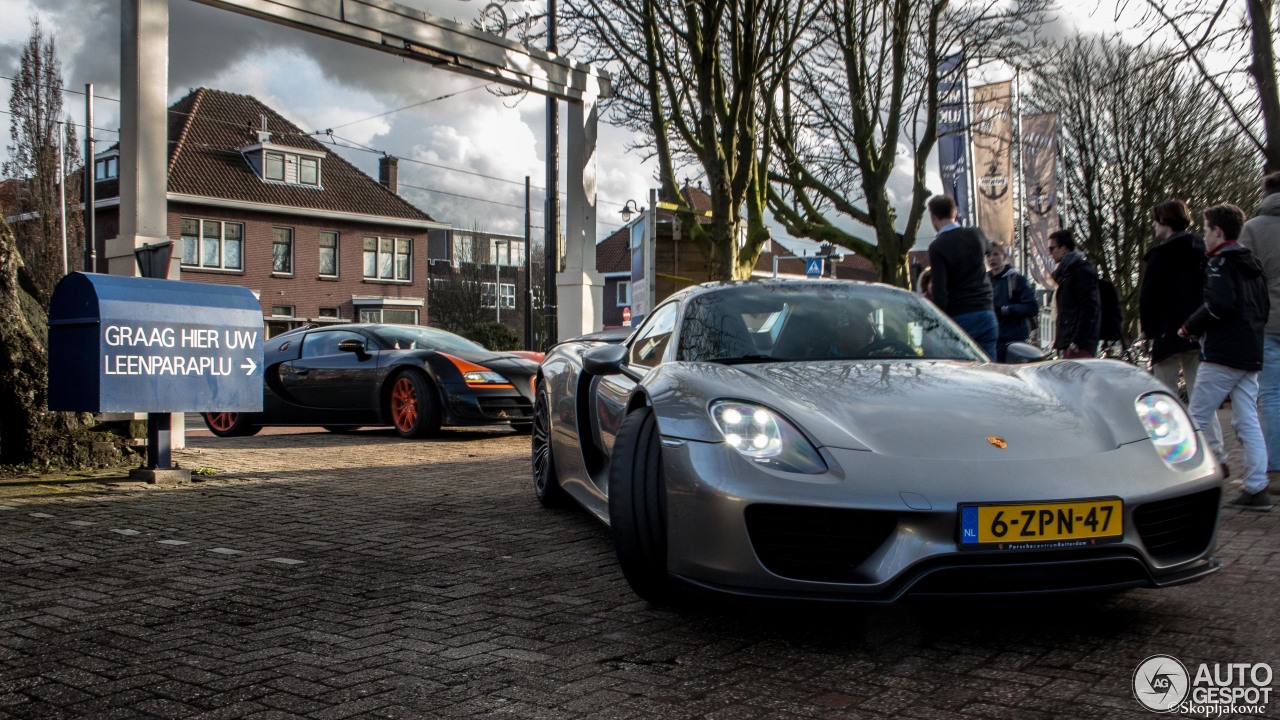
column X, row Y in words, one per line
column 638, row 507
column 341, row 429
column 230, row 424
column 413, row 405
column 546, row 483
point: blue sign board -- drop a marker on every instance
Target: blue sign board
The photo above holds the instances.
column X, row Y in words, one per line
column 813, row 267
column 127, row 344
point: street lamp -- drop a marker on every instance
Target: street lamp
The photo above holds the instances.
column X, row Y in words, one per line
column 497, row 280
column 629, row 209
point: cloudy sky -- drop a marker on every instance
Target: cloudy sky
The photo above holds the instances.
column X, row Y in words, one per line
column 464, row 151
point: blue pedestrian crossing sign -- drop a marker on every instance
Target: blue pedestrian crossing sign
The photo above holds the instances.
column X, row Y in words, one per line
column 813, row 267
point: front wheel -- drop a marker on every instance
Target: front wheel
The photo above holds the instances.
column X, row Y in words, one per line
column 229, row 424
column 414, row 410
column 638, row 507
column 546, row 484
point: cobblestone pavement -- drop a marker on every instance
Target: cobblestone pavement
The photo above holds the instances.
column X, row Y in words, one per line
column 360, row 575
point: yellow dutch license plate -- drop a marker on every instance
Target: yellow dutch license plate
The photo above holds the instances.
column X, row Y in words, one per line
column 1075, row 522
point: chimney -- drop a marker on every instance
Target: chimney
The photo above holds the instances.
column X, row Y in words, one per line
column 388, row 172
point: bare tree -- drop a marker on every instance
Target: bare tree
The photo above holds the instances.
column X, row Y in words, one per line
column 695, row 78
column 1245, row 33
column 35, row 108
column 864, row 100
column 1137, row 130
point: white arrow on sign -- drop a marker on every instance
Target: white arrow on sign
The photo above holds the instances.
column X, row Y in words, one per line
column 249, row 366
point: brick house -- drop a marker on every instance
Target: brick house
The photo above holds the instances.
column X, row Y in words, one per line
column 255, row 201
column 498, row 259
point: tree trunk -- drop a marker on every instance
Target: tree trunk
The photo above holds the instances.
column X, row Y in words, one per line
column 1263, row 70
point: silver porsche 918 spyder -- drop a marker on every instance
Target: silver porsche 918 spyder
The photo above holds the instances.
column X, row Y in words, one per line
column 846, row 441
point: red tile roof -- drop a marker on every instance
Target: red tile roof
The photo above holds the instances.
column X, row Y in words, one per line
column 613, row 254
column 207, row 128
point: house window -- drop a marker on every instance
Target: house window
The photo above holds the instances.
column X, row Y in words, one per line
column 282, row 250
column 464, row 249
column 508, row 294
column 106, row 169
column 281, row 320
column 291, row 168
column 329, row 254
column 212, row 244
column 330, row 313
column 309, row 170
column 388, row 258
column 274, row 167
column 391, row 316
column 624, row 293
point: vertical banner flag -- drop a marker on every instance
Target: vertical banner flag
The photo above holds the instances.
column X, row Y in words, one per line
column 1040, row 183
column 639, row 270
column 953, row 148
column 993, row 160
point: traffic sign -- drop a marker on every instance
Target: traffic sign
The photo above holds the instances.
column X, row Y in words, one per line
column 626, row 316
column 813, row 267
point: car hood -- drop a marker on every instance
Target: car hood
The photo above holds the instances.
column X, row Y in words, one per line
column 944, row 409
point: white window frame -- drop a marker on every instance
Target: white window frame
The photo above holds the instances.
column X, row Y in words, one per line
column 508, row 291
column 274, row 242
column 107, row 168
column 199, row 238
column 290, row 167
column 379, row 253
column 337, row 253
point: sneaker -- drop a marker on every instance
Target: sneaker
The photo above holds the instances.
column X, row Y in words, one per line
column 1259, row 501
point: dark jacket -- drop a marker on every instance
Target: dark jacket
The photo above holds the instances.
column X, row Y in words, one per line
column 1077, row 298
column 1172, row 289
column 1234, row 314
column 1014, row 313
column 957, row 267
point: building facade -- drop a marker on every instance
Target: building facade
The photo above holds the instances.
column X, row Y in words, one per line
column 254, row 201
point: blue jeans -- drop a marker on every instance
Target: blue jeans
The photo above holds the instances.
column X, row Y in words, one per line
column 982, row 327
column 1213, row 384
column 1269, row 398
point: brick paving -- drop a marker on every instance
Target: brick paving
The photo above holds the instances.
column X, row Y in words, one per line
column 363, row 576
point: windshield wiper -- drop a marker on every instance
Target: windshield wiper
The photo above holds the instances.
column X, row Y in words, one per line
column 742, row 359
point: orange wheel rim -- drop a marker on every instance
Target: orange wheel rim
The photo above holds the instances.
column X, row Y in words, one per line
column 222, row 421
column 404, row 404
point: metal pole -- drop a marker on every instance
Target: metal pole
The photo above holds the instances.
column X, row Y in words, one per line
column 552, row 215
column 497, row 283
column 528, row 267
column 90, row 168
column 1020, row 186
column 62, row 189
column 159, row 428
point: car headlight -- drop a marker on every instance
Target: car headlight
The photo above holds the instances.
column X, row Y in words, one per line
column 764, row 436
column 1168, row 427
column 476, row 376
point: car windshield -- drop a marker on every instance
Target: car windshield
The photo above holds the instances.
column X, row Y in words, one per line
column 409, row 337
column 818, row 321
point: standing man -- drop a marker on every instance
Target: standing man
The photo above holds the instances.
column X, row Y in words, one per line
column 1014, row 299
column 1231, row 322
column 1172, row 289
column 1262, row 236
column 959, row 285
column 1079, row 320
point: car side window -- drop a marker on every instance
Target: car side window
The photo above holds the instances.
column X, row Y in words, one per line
column 652, row 338
column 326, row 343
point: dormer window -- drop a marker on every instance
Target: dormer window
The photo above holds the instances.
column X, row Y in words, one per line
column 288, row 165
column 106, row 167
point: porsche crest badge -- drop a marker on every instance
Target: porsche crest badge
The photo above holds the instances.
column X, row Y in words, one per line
column 998, row 442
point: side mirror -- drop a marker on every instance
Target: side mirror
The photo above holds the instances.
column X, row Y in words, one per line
column 604, row 359
column 354, row 346
column 1021, row 353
